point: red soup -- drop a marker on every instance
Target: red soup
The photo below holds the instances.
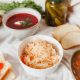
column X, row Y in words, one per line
column 21, row 21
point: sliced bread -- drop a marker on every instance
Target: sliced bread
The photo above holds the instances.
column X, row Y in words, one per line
column 60, row 31
column 71, row 39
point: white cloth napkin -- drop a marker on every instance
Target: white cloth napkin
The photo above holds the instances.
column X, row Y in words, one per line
column 9, row 48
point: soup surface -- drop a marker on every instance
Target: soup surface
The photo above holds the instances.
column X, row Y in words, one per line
column 21, row 21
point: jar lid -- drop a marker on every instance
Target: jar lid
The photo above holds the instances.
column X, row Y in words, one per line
column 57, row 1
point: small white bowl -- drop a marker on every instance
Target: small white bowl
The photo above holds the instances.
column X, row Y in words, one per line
column 22, row 32
column 40, row 72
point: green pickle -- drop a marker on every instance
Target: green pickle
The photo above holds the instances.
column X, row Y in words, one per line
column 56, row 12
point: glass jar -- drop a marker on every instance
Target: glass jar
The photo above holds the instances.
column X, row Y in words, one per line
column 0, row 20
column 56, row 12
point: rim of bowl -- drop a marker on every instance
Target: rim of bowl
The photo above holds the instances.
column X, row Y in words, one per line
column 22, row 9
column 58, row 45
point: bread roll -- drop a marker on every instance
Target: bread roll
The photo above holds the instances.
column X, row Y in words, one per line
column 71, row 39
column 60, row 31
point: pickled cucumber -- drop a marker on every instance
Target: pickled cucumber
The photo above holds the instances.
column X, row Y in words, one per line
column 53, row 14
column 57, row 22
column 58, row 13
column 57, row 10
column 49, row 10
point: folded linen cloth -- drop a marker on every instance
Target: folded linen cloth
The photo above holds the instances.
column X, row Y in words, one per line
column 10, row 49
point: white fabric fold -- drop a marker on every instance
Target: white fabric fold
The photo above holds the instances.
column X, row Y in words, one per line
column 9, row 48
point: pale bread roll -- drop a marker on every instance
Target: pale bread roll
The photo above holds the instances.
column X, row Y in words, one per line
column 71, row 39
column 60, row 31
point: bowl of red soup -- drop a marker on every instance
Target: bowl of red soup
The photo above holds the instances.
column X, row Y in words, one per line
column 22, row 22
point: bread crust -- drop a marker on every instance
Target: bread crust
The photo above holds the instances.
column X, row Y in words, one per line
column 3, row 78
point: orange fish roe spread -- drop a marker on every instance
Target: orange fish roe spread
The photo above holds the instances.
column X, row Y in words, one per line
column 1, row 66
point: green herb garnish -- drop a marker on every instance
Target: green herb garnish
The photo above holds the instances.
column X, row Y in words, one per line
column 27, row 22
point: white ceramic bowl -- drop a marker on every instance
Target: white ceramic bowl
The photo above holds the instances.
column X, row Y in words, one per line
column 40, row 72
column 22, row 32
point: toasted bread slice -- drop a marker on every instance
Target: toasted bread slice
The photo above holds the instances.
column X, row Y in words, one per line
column 60, row 31
column 6, row 72
column 71, row 39
column 9, row 76
column 5, row 69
